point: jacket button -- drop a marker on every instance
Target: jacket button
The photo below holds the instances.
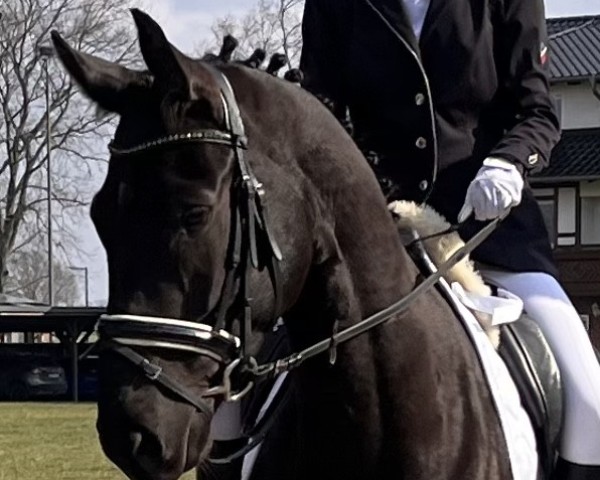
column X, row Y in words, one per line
column 533, row 159
column 419, row 99
column 423, row 184
column 421, row 143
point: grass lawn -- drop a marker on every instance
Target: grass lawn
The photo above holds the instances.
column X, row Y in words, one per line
column 52, row 441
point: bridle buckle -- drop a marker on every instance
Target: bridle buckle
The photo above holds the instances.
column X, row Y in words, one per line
column 151, row 370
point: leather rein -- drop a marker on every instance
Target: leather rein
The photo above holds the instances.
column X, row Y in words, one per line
column 251, row 245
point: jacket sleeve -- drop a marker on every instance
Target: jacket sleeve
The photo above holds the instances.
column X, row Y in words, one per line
column 320, row 60
column 522, row 63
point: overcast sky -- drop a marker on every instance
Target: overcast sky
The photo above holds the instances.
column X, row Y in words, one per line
column 187, row 23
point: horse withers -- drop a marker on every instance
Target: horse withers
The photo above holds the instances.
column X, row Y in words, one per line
column 199, row 271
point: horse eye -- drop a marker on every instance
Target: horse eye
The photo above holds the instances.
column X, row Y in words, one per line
column 195, row 217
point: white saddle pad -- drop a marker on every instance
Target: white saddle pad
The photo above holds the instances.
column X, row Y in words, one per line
column 516, row 425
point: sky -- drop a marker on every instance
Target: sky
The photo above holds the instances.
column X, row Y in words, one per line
column 186, row 23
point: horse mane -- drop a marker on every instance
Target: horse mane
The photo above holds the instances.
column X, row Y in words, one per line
column 255, row 60
column 296, row 76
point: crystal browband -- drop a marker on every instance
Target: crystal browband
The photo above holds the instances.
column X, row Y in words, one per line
column 205, row 136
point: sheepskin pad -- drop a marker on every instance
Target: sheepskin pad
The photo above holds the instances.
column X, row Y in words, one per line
column 426, row 221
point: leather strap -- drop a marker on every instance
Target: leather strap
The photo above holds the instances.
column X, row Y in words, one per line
column 155, row 373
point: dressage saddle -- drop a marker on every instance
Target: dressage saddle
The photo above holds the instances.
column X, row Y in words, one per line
column 532, row 366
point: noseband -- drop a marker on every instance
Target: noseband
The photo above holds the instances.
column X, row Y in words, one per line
column 251, row 245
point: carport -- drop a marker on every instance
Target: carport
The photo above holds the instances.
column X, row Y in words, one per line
column 73, row 326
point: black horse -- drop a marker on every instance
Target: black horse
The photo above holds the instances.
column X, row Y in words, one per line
column 183, row 220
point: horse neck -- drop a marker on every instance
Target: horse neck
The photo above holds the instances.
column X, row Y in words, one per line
column 342, row 418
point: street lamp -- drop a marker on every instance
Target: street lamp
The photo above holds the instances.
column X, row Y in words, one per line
column 46, row 52
column 85, row 273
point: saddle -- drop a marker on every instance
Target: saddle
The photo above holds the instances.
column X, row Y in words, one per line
column 535, row 372
column 532, row 367
column 522, row 345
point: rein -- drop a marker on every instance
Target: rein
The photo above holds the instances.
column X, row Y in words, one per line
column 293, row 361
column 272, row 370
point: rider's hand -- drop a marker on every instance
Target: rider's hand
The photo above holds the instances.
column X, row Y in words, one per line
column 497, row 187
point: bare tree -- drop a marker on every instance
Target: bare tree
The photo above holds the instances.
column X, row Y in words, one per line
column 100, row 27
column 28, row 277
column 273, row 25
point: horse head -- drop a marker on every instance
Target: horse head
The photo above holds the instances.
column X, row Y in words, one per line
column 186, row 237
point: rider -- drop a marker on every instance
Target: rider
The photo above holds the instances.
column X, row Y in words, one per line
column 452, row 96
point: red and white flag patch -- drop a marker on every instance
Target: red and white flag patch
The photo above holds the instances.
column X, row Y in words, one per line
column 543, row 53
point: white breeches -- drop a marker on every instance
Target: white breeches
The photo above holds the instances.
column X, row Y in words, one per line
column 548, row 305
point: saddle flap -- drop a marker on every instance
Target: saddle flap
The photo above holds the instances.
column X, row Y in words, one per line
column 535, row 372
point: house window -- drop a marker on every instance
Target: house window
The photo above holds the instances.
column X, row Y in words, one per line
column 590, row 221
column 548, row 208
column 590, row 213
column 559, row 210
column 558, row 106
column 566, row 217
column 571, row 214
column 546, row 198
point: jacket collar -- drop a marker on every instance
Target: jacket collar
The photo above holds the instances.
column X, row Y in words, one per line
column 394, row 13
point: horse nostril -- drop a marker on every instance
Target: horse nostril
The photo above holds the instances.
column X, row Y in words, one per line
column 135, row 439
column 148, row 450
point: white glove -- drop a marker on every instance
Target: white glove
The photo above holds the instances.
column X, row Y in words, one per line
column 497, row 187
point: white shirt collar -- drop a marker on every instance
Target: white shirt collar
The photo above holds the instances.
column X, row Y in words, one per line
column 416, row 10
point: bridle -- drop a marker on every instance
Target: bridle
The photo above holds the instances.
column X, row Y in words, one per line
column 251, row 245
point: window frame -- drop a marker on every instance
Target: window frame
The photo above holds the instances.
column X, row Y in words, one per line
column 555, row 235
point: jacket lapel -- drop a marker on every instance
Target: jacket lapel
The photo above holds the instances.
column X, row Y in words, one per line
column 394, row 13
column 432, row 18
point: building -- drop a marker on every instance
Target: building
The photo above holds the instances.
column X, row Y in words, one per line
column 569, row 190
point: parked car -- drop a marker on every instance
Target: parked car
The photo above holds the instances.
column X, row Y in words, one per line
column 25, row 376
column 87, row 378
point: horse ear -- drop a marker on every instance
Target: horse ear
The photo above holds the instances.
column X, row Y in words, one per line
column 167, row 64
column 107, row 83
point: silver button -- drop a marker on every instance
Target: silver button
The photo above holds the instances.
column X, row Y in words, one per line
column 421, row 143
column 419, row 99
column 423, row 184
column 533, row 159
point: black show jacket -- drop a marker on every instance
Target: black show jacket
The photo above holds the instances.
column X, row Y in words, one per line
column 474, row 85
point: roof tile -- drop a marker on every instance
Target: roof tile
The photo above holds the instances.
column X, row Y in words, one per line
column 576, row 155
column 574, row 47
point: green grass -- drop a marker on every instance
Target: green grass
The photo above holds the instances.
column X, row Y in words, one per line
column 52, row 441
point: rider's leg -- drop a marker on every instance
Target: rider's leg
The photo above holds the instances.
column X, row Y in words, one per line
column 547, row 304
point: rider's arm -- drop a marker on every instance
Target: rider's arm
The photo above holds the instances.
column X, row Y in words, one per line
column 522, row 62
